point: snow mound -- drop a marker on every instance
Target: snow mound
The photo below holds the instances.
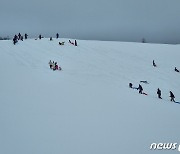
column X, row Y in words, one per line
column 87, row 107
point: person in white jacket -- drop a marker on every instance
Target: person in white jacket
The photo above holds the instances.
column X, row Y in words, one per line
column 50, row 64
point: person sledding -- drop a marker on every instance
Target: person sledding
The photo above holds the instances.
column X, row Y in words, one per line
column 146, row 82
column 61, row 43
column 57, row 67
column 176, row 70
column 54, row 66
column 71, row 42
column 172, row 96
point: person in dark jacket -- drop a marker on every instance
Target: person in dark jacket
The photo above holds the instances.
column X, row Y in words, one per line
column 130, row 85
column 40, row 36
column 154, row 64
column 159, row 93
column 140, row 89
column 57, row 35
column 75, row 43
column 176, row 69
column 19, row 36
column 15, row 39
column 172, row 96
column 26, row 35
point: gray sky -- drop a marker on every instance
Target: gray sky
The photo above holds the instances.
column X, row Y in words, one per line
column 122, row 20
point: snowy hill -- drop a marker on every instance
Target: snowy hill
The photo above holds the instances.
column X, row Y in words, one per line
column 87, row 108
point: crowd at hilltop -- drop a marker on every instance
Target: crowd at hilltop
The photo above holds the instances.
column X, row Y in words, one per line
column 19, row 37
column 53, row 65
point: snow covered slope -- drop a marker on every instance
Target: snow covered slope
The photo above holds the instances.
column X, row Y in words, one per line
column 87, row 108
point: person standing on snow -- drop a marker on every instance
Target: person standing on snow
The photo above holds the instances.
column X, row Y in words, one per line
column 19, row 36
column 154, row 64
column 15, row 39
column 26, row 35
column 172, row 96
column 40, row 36
column 75, row 43
column 140, row 89
column 57, row 35
column 159, row 93
column 50, row 64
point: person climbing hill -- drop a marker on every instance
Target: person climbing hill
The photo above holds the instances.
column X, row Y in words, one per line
column 172, row 96
column 154, row 64
column 159, row 93
column 140, row 89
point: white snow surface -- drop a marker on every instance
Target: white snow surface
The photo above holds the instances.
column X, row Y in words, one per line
column 87, row 108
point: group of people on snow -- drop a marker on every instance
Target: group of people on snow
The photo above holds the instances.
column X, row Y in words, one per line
column 73, row 43
column 54, row 66
column 158, row 92
column 18, row 37
column 154, row 64
column 170, row 92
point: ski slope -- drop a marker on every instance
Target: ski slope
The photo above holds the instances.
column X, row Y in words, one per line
column 87, row 108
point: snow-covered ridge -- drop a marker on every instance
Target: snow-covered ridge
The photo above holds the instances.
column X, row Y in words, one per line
column 87, row 107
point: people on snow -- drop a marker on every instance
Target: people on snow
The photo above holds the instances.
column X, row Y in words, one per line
column 176, row 69
column 154, row 64
column 172, row 96
column 54, row 66
column 57, row 35
column 140, row 89
column 159, row 93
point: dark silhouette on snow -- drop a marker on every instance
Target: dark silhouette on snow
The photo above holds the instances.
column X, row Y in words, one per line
column 54, row 66
column 176, row 69
column 130, row 85
column 61, row 43
column 15, row 39
column 26, row 35
column 71, row 42
column 143, row 40
column 40, row 36
column 140, row 89
column 145, row 82
column 154, row 64
column 172, row 96
column 51, row 39
column 19, row 36
column 159, row 93
column 57, row 35
column 75, row 43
